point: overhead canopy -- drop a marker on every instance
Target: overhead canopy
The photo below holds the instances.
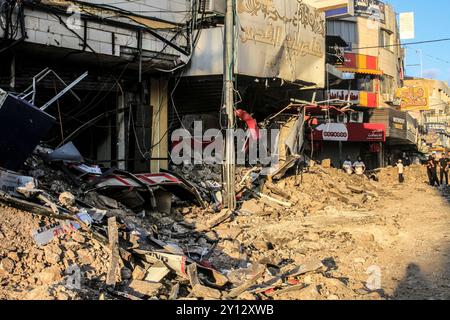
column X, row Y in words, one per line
column 361, row 63
column 353, row 132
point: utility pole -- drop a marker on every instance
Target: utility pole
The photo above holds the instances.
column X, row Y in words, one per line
column 421, row 61
column 228, row 68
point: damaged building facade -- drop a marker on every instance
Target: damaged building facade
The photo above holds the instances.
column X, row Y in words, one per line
column 118, row 115
column 324, row 71
column 362, row 79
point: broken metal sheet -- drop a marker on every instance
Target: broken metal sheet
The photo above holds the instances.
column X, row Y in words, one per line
column 165, row 180
column 67, row 152
column 97, row 215
column 45, row 234
column 295, row 139
column 88, row 169
column 170, row 247
column 22, row 126
column 10, row 181
column 157, row 272
column 289, row 163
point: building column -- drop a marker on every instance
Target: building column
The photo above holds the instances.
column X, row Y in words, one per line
column 381, row 155
column 121, row 133
column 159, row 131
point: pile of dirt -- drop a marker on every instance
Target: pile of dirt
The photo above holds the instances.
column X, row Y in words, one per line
column 263, row 250
column 30, row 271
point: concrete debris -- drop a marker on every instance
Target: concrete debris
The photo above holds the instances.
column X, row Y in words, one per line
column 67, row 200
column 142, row 288
column 177, row 249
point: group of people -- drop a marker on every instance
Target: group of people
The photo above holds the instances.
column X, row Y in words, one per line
column 443, row 164
column 435, row 165
column 358, row 167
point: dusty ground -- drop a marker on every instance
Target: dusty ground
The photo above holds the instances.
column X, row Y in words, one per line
column 391, row 235
column 405, row 236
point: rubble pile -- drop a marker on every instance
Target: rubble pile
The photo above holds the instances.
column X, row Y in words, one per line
column 313, row 191
column 414, row 174
column 30, row 271
column 69, row 239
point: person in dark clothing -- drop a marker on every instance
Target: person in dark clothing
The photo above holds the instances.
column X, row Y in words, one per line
column 432, row 171
column 443, row 169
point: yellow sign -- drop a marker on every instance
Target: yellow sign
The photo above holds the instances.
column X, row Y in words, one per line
column 413, row 98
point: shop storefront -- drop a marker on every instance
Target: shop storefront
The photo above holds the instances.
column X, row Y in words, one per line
column 337, row 141
column 401, row 135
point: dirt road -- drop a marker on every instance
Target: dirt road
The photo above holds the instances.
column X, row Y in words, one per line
column 402, row 245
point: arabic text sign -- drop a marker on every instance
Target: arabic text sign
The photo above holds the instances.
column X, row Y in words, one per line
column 374, row 9
column 360, row 98
column 413, row 98
column 284, row 39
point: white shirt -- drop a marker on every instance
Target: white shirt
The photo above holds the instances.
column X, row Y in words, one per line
column 347, row 166
column 359, row 167
column 400, row 168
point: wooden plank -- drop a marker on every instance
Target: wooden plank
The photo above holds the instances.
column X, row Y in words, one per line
column 174, row 292
column 113, row 237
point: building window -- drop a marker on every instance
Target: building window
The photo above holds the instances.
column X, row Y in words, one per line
column 386, row 40
column 345, row 29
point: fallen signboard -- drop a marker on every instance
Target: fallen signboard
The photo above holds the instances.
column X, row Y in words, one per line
column 10, row 181
column 45, row 234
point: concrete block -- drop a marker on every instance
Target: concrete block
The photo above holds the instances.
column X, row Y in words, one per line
column 31, row 35
column 32, row 23
column 106, row 48
column 95, row 45
column 99, row 35
column 71, row 42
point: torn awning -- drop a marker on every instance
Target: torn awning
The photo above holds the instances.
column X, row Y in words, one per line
column 360, row 63
column 353, row 132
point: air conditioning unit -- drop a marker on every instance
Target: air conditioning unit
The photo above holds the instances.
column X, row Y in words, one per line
column 213, row 6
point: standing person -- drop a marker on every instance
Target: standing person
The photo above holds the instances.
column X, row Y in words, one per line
column 400, row 168
column 443, row 169
column 406, row 160
column 347, row 165
column 359, row 167
column 432, row 171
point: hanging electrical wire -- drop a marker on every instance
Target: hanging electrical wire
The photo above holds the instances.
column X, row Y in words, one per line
column 12, row 21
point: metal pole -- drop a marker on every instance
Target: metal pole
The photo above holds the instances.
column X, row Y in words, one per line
column 229, row 165
column 421, row 62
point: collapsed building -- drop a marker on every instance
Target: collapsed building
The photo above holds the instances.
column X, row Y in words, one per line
column 91, row 94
